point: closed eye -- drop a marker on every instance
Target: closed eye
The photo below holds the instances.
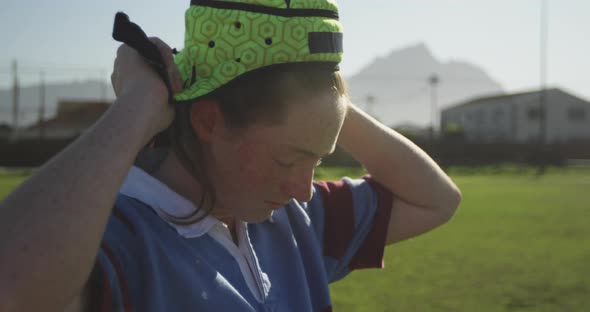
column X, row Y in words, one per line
column 290, row 164
column 284, row 164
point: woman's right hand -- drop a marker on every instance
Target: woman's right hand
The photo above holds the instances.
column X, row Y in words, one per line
column 137, row 84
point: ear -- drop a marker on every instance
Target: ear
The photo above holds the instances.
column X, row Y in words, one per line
column 205, row 116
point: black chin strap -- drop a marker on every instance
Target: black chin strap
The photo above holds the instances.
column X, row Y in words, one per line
column 131, row 34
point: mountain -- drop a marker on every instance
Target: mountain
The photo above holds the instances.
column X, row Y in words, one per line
column 396, row 88
column 29, row 100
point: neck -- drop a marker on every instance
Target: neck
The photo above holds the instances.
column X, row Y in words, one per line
column 172, row 173
column 176, row 177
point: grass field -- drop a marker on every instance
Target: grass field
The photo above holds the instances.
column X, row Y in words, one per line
column 518, row 243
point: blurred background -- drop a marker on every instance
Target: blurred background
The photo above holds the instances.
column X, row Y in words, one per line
column 497, row 92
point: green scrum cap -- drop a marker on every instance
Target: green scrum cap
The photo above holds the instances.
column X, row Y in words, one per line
column 225, row 39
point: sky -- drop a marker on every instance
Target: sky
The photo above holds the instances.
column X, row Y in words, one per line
column 72, row 39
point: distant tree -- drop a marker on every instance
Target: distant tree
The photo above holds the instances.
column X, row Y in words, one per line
column 408, row 133
column 453, row 131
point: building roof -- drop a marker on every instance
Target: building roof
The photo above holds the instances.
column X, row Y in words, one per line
column 517, row 98
column 79, row 115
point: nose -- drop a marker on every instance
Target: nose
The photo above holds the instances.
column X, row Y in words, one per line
column 299, row 186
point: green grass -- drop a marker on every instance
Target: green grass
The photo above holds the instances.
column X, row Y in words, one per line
column 10, row 180
column 518, row 243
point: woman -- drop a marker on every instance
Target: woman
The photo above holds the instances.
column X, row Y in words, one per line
column 226, row 218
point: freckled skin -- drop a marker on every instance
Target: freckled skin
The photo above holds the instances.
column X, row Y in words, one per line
column 245, row 172
column 246, row 160
column 284, row 187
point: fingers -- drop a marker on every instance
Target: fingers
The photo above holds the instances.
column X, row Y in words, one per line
column 175, row 79
column 129, row 65
column 114, row 76
column 113, row 80
column 172, row 69
column 165, row 50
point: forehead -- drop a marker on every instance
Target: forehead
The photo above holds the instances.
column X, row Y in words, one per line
column 312, row 124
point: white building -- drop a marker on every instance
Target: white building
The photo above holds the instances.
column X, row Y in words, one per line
column 516, row 118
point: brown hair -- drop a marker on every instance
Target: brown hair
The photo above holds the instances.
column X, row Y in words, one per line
column 258, row 96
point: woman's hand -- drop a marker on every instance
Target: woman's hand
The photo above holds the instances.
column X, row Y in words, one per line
column 134, row 80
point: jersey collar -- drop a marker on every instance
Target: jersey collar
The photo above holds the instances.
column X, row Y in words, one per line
column 149, row 190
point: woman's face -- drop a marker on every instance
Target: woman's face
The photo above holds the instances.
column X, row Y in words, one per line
column 264, row 166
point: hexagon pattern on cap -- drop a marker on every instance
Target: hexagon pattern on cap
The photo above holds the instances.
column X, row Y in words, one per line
column 222, row 43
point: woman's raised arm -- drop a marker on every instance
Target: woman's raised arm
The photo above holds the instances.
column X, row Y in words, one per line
column 51, row 226
column 424, row 196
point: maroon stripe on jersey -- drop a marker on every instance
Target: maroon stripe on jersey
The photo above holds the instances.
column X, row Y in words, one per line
column 122, row 281
column 370, row 255
column 339, row 217
column 106, row 293
column 121, row 217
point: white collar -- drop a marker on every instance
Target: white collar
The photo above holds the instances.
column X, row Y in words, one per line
column 149, row 190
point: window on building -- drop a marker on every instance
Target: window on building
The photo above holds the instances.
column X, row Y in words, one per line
column 534, row 113
column 481, row 117
column 576, row 114
column 498, row 115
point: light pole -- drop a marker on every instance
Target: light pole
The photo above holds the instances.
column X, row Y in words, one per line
column 41, row 121
column 370, row 103
column 433, row 81
column 543, row 74
column 543, row 112
column 15, row 100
